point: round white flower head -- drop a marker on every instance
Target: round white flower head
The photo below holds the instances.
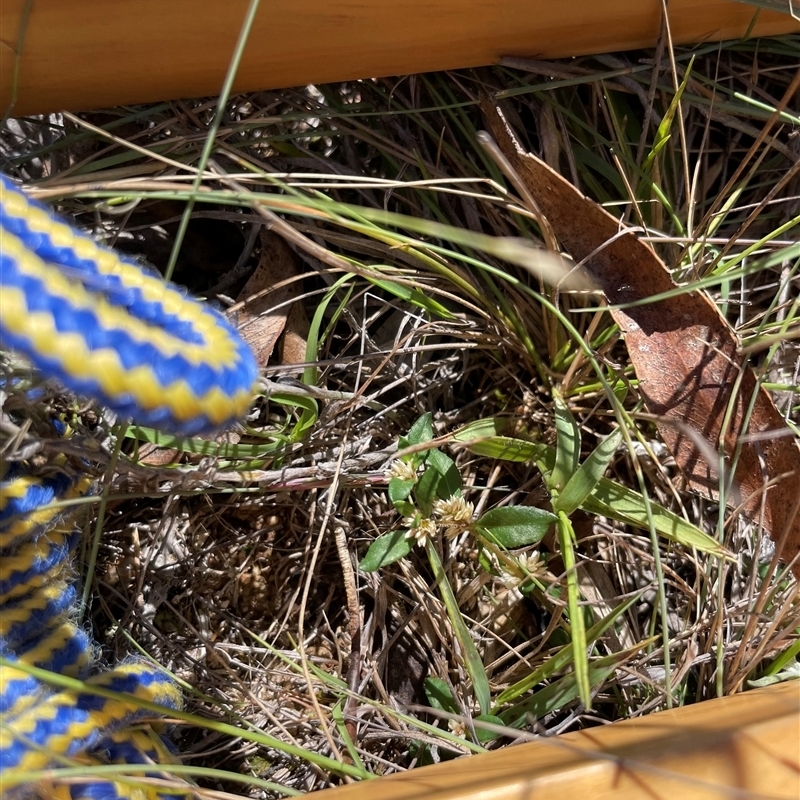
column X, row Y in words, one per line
column 403, row 470
column 455, row 514
column 420, row 529
column 458, row 727
column 530, row 566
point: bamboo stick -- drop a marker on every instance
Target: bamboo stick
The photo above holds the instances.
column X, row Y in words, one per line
column 80, row 54
column 746, row 745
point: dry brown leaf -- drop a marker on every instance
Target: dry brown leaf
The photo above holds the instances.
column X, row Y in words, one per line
column 264, row 310
column 295, row 337
column 269, row 305
column 685, row 354
column 154, row 455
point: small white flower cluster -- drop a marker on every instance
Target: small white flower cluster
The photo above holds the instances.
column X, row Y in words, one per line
column 458, row 727
column 404, row 470
column 454, row 514
column 419, row 528
column 531, row 565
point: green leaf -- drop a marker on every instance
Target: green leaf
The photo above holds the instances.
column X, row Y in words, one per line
column 405, row 508
column 484, row 559
column 483, row 734
column 413, row 295
column 421, row 431
column 505, row 448
column 484, row 438
column 480, row 429
column 399, row 490
column 425, row 492
column 441, row 462
column 788, row 656
column 439, row 695
column 566, row 537
column 440, row 479
column 309, row 411
column 568, row 445
column 515, row 526
column 450, row 478
column 583, row 482
column 611, row 499
column 790, row 673
column 608, row 498
column 472, row 659
column 386, row 550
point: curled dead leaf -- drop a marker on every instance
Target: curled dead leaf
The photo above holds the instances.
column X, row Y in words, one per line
column 691, row 372
column 268, row 296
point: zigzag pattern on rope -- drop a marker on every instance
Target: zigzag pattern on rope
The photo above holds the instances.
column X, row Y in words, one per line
column 107, row 330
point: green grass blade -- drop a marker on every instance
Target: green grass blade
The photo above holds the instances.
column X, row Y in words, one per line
column 663, row 131
column 314, row 335
column 472, row 659
column 341, row 726
column 615, row 501
column 584, row 481
column 568, row 445
column 566, row 537
column 562, row 658
column 211, row 137
column 565, row 690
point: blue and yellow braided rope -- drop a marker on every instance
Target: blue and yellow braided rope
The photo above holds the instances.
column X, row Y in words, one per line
column 107, row 330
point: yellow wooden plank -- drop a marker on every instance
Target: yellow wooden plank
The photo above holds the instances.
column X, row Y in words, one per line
column 747, row 745
column 82, row 54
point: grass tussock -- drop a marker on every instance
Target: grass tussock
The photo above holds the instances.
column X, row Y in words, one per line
column 235, row 563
